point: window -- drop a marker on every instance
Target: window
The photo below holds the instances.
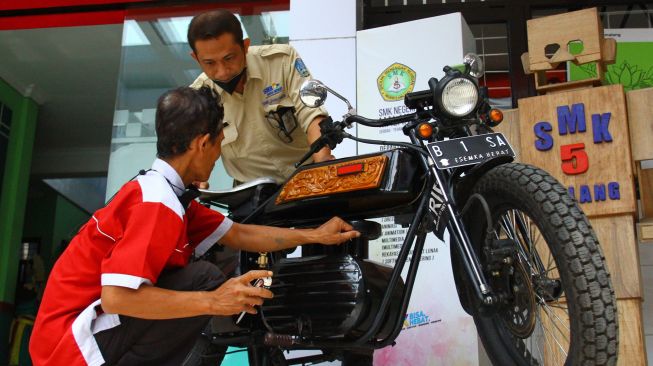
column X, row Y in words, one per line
column 155, row 58
column 492, row 47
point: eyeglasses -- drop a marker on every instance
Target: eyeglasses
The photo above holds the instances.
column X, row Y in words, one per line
column 284, row 121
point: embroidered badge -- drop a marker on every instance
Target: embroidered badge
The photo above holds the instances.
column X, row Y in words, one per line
column 273, row 89
column 301, row 68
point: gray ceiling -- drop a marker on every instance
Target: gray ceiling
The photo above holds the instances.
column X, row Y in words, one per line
column 72, row 74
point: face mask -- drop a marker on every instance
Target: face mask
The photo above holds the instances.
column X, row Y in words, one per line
column 230, row 86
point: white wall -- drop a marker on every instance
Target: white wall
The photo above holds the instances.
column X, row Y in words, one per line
column 324, row 34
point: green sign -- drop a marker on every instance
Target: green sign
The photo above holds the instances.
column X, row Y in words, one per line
column 633, row 67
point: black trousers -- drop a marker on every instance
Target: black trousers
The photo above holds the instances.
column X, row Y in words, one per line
column 161, row 342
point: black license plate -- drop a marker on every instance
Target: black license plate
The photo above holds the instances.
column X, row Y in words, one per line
column 469, row 150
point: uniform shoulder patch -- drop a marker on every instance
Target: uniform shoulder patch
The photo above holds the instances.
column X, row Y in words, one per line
column 301, row 68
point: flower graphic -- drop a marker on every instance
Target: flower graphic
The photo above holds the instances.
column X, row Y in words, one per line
column 630, row 76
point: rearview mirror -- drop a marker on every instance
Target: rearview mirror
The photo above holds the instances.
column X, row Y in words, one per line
column 312, row 93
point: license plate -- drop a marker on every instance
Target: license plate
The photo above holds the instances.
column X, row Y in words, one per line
column 469, row 150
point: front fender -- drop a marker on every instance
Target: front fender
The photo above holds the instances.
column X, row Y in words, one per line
column 462, row 186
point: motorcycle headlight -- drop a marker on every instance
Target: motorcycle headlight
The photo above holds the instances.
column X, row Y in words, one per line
column 459, row 97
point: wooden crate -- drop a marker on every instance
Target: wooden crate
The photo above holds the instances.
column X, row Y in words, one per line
column 639, row 121
column 562, row 29
column 645, row 230
column 543, row 87
column 645, row 183
column 632, row 349
column 617, row 238
column 510, row 128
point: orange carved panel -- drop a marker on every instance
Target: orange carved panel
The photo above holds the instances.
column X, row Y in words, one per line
column 326, row 180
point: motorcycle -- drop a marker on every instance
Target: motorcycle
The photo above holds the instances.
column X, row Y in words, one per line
column 526, row 262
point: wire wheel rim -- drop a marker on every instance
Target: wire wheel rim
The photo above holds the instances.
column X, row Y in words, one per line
column 547, row 342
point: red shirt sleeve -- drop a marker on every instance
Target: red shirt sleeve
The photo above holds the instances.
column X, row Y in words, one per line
column 151, row 234
column 205, row 227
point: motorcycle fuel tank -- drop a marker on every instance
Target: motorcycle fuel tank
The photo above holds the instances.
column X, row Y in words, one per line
column 357, row 187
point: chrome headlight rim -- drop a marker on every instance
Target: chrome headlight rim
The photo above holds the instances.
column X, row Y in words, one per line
column 446, row 108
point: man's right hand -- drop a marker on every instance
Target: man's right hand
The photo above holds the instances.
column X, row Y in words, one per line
column 237, row 294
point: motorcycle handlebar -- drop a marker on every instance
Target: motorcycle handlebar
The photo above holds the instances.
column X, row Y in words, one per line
column 380, row 122
column 318, row 144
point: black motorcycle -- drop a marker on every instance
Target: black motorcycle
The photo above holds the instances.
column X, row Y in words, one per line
column 527, row 265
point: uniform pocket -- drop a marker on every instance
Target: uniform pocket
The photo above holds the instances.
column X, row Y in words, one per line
column 229, row 148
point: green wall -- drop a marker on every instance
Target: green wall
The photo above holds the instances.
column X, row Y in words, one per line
column 12, row 199
column 51, row 218
column 68, row 218
column 40, row 209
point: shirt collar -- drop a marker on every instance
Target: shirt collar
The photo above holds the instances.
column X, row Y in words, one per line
column 170, row 174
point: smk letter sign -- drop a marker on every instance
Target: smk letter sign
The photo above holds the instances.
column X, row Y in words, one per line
column 581, row 138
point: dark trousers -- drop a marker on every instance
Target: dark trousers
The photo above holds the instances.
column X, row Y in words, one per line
column 161, row 342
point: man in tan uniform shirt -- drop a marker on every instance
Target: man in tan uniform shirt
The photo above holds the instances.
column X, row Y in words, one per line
column 254, row 83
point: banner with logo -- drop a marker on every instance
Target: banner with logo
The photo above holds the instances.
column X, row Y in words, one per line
column 393, row 61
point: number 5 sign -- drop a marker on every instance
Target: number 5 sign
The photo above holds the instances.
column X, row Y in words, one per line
column 574, row 159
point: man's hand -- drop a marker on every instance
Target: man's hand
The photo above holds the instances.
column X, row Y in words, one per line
column 335, row 231
column 201, row 185
column 237, row 294
column 312, row 135
column 323, row 155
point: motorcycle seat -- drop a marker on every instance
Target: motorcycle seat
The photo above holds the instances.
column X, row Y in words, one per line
column 237, row 195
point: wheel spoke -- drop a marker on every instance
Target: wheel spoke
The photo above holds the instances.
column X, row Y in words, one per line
column 548, row 343
column 506, row 227
column 561, row 307
column 562, row 349
column 526, row 230
column 549, row 312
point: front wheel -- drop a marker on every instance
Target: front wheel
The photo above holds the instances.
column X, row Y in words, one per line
column 543, row 260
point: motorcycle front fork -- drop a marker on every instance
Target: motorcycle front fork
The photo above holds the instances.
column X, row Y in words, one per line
column 462, row 243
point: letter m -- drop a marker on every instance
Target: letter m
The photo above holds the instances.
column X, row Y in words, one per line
column 571, row 120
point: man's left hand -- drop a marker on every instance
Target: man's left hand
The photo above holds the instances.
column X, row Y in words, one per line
column 335, row 231
column 323, row 155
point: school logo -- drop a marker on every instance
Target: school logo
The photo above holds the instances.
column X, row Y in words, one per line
column 396, row 81
column 301, row 68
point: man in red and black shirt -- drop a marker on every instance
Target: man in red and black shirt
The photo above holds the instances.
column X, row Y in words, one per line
column 124, row 292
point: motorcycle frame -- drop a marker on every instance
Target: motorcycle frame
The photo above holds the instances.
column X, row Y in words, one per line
column 417, row 231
